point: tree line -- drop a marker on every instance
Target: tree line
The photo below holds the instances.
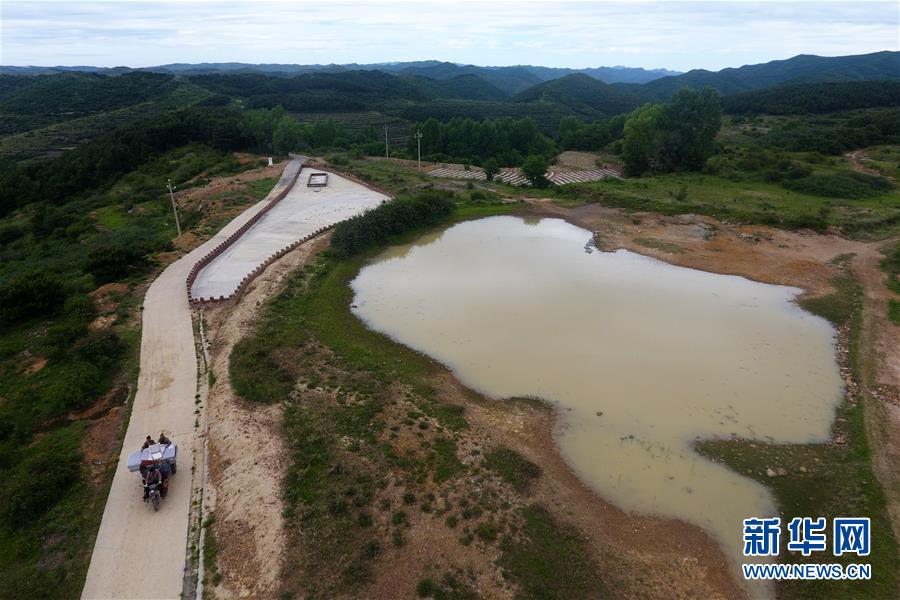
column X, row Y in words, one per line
column 377, row 225
column 509, row 142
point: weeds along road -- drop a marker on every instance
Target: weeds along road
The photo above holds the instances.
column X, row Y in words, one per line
column 139, row 553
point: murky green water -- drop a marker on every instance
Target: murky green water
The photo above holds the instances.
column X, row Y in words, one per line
column 643, row 357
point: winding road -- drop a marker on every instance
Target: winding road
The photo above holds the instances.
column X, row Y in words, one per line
column 139, row 553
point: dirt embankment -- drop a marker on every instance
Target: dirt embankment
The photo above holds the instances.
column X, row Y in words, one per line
column 247, row 456
column 640, row 556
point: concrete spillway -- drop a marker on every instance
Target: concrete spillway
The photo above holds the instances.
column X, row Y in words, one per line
column 303, row 211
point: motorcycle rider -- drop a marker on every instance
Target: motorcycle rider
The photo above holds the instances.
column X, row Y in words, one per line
column 147, row 443
column 153, row 477
column 163, row 439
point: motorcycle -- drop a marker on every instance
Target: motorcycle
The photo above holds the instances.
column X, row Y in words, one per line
column 154, row 495
column 155, row 486
column 156, row 464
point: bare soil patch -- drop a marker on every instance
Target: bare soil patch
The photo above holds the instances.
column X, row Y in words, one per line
column 246, row 451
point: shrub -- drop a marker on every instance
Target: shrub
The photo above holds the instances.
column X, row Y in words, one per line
column 391, row 218
column 75, row 385
column 840, row 185
column 120, row 254
column 10, row 233
column 80, row 307
column 35, row 485
column 30, row 295
column 425, row 588
column 100, row 348
column 487, row 531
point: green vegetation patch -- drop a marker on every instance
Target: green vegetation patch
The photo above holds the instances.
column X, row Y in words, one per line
column 512, row 467
column 398, row 216
column 450, row 587
column 662, row 245
column 260, row 188
column 841, row 185
column 210, row 552
column 891, row 266
column 548, row 559
column 839, row 306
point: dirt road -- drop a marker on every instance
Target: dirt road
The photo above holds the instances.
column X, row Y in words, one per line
column 139, row 553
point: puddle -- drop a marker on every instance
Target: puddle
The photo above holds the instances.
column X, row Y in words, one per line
column 642, row 357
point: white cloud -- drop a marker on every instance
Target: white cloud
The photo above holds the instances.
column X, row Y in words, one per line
column 679, row 35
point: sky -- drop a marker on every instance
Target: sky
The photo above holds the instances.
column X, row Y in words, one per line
column 669, row 34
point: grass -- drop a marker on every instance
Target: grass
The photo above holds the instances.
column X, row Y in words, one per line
column 837, row 478
column 512, row 467
column 260, row 188
column 739, row 201
column 839, row 306
column 549, row 559
column 894, row 311
column 661, row 245
column 891, row 267
column 884, row 159
column 449, row 588
column 210, row 552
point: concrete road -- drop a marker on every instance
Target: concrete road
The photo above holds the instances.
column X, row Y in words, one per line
column 139, row 553
column 301, row 212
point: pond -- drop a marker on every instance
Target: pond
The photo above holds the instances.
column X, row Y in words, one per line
column 642, row 358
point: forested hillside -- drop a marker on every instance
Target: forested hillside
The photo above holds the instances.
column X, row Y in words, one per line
column 803, row 68
column 815, row 98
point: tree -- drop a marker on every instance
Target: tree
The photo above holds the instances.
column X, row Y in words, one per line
column 288, row 135
column 535, row 169
column 679, row 135
column 690, row 122
column 490, row 168
column 640, row 138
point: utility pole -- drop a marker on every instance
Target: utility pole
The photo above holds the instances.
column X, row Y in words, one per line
column 387, row 153
column 419, row 147
column 174, row 209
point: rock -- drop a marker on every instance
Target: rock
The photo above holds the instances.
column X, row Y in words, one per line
column 770, row 472
column 803, row 469
column 781, row 471
column 599, row 413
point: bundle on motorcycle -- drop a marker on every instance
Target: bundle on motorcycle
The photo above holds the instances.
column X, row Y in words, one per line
column 161, row 455
column 155, row 463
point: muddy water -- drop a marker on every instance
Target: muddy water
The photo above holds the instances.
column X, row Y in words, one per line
column 642, row 357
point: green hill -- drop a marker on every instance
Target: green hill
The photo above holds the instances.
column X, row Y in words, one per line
column 465, row 87
column 804, row 68
column 78, row 94
column 815, row 98
column 581, row 93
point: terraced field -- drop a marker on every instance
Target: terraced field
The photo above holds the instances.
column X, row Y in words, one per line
column 515, row 177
